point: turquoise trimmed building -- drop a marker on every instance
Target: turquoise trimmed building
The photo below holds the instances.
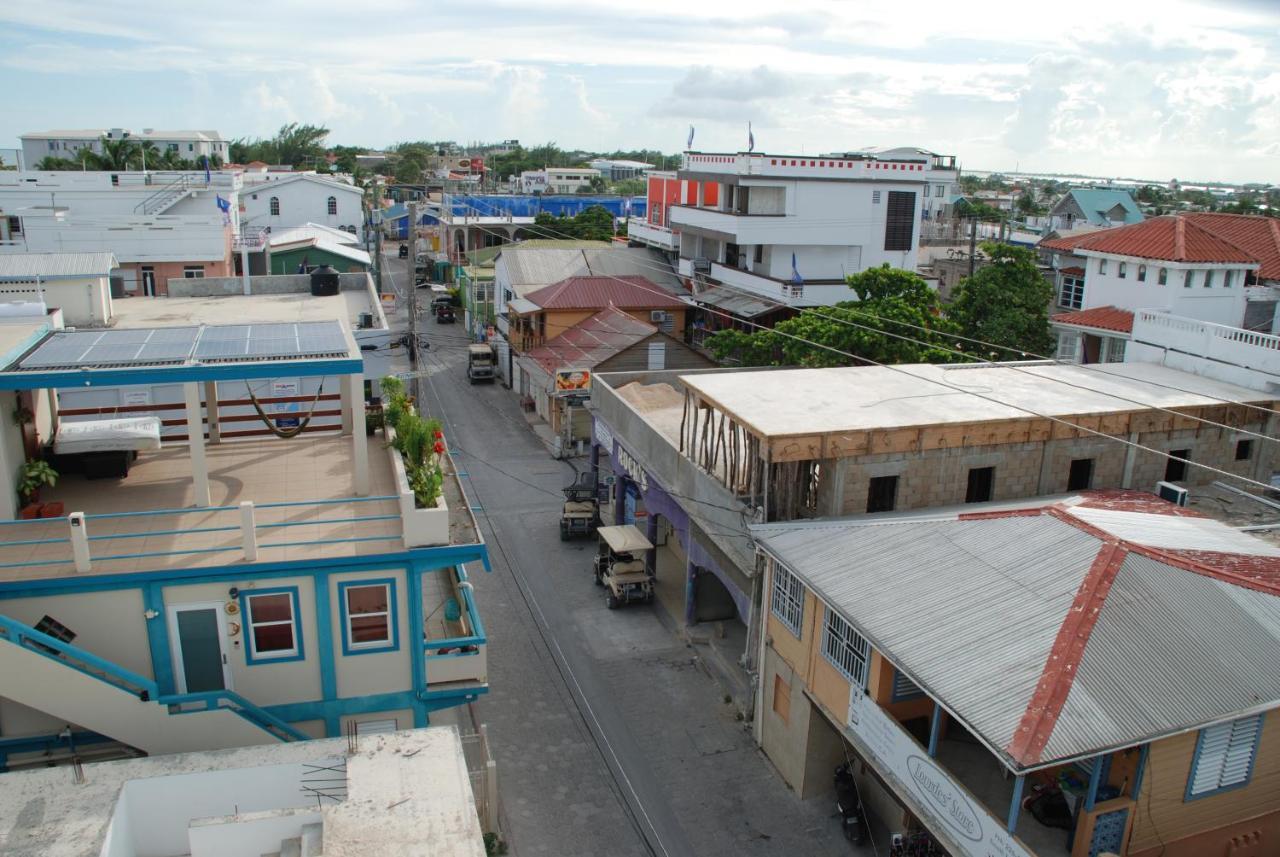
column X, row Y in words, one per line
column 212, row 594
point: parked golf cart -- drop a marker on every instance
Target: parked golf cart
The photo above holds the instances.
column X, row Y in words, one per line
column 444, row 312
column 581, row 513
column 404, row 251
column 620, row 566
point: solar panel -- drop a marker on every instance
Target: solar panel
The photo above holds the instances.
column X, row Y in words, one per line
column 71, row 349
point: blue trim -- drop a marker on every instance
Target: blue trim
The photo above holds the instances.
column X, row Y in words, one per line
column 33, row 339
column 73, row 657
column 1195, row 760
column 935, row 730
column 348, row 648
column 213, row 700
column 324, row 641
column 293, row 712
column 79, row 378
column 1095, row 780
column 158, row 637
column 436, row 557
column 1015, row 803
column 417, row 630
column 250, row 657
column 1141, row 772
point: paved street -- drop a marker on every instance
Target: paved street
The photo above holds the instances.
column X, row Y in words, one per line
column 611, row 736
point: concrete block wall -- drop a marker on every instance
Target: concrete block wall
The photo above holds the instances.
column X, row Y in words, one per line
column 940, row 477
column 273, row 284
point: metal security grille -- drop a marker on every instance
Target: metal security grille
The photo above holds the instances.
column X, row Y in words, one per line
column 1224, row 756
column 900, row 220
column 847, row 650
column 788, row 599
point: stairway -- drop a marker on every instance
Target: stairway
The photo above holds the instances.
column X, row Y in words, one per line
column 75, row 686
column 165, row 198
column 309, row 844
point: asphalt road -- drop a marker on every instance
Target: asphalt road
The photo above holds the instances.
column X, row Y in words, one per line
column 611, row 736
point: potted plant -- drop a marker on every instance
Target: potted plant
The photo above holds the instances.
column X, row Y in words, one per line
column 373, row 419
column 35, row 474
column 416, row 446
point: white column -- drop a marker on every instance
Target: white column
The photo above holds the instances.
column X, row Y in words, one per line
column 195, row 443
column 353, row 411
column 244, row 267
column 211, row 409
column 346, row 398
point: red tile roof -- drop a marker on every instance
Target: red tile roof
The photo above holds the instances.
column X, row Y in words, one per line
column 1258, row 235
column 592, row 341
column 1102, row 317
column 1171, row 238
column 631, row 291
column 1073, row 271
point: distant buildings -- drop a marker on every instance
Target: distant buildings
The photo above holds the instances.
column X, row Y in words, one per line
column 613, row 171
column 77, row 286
column 557, row 179
column 1093, row 206
column 188, row 145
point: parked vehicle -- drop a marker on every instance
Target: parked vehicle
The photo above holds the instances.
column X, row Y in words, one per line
column 481, row 363
column 404, row 251
column 620, row 568
column 852, row 820
column 444, row 313
column 580, row 515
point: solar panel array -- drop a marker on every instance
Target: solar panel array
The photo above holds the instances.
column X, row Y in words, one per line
column 168, row 346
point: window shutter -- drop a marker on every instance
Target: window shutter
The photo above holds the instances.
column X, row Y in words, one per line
column 904, row 688
column 1225, row 755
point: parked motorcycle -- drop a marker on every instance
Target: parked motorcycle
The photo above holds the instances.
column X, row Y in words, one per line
column 852, row 820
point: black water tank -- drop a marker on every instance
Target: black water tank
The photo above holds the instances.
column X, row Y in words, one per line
column 324, row 281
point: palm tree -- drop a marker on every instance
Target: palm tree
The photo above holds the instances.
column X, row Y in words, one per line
column 116, row 154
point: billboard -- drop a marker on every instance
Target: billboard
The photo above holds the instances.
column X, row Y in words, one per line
column 570, row 381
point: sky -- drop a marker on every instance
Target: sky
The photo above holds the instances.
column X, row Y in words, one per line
column 1124, row 88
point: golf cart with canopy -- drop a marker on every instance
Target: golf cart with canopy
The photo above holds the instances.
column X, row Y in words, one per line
column 580, row 515
column 620, row 566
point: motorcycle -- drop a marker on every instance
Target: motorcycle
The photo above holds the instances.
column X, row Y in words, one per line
column 852, row 820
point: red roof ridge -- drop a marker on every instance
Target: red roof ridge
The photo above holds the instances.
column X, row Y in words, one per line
column 1060, row 668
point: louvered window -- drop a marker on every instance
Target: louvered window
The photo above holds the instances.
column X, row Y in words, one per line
column 900, row 220
column 847, row 650
column 904, row 688
column 1224, row 756
column 788, row 599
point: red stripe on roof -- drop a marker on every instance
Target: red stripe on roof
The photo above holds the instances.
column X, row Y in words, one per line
column 1060, row 668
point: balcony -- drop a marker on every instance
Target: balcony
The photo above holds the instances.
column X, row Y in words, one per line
column 808, row 293
column 454, row 640
column 743, row 228
column 654, row 236
column 1232, row 354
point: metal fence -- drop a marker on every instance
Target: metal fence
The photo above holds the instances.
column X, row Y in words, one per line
column 483, row 771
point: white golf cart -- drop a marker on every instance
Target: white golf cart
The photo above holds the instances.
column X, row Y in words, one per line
column 620, row 568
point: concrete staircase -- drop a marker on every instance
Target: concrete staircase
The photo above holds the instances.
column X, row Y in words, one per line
column 166, row 197
column 309, row 844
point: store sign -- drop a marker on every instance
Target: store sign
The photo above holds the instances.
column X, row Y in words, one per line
column 135, row 397
column 573, row 381
column 632, row 467
column 942, row 804
column 604, row 437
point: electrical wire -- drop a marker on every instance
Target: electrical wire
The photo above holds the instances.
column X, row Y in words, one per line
column 992, row 399
column 1082, row 366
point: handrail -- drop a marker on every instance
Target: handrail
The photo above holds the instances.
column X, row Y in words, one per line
column 214, row 699
column 77, row 658
column 170, row 191
column 144, row 688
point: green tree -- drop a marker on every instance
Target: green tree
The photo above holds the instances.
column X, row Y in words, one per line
column 864, row 328
column 595, row 185
column 1027, row 205
column 1005, row 303
column 630, row 187
column 122, row 154
column 294, row 144
column 591, row 224
column 51, row 164
column 980, row 210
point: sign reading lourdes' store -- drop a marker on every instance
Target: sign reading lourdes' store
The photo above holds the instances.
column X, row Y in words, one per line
column 941, row 803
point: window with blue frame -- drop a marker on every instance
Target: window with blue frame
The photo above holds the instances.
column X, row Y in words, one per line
column 272, row 629
column 1224, row 757
column 368, row 616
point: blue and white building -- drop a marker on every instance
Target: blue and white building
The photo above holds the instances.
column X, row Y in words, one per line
column 216, row 593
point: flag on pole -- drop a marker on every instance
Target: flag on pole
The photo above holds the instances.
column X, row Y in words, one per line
column 796, row 279
column 689, row 145
column 207, row 177
column 751, row 139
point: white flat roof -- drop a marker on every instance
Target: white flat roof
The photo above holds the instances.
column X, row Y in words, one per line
column 234, row 309
column 404, row 789
column 786, row 402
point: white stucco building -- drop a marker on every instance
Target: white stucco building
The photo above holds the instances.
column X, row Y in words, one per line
column 791, row 228
column 77, row 284
column 68, row 144
column 277, row 201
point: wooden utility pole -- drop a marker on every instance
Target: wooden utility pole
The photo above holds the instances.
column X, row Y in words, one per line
column 411, row 296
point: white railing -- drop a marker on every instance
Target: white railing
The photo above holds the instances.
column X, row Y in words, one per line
column 658, row 236
column 1231, row 354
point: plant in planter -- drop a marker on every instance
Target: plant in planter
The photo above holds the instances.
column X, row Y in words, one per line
column 35, row 474
column 373, row 420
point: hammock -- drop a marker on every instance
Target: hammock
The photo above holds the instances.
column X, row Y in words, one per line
column 270, row 423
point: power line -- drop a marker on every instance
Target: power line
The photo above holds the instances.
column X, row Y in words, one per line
column 992, row 399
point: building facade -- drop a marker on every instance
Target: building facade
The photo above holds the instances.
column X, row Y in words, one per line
column 298, row 200
column 189, row 145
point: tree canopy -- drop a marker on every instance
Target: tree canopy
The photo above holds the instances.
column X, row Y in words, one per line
column 863, row 328
column 123, row 154
column 295, row 144
column 591, row 224
column 1005, row 303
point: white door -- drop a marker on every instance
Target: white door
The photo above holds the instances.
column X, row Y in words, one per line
column 198, row 638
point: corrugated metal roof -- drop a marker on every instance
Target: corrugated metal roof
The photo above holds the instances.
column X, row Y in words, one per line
column 734, row 302
column 971, row 610
column 22, row 266
column 1171, row 651
column 530, row 268
column 592, row 341
column 312, row 230
column 534, row 267
column 630, row 291
column 1096, row 203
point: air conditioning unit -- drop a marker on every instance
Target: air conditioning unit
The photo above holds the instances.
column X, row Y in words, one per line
column 702, row 266
column 658, row 316
column 1173, row 493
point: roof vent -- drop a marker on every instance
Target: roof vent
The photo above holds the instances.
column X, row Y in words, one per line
column 1175, row 494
